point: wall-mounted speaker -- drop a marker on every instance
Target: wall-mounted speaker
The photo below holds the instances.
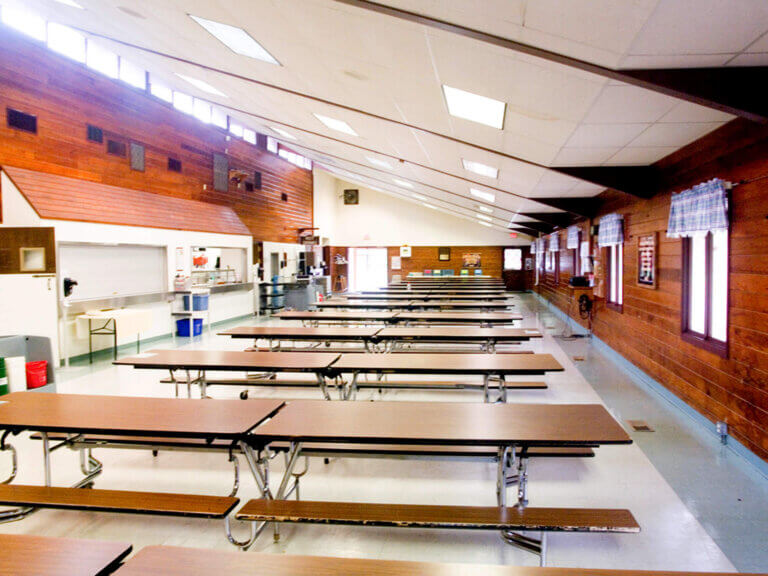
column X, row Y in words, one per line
column 137, row 157
column 257, row 180
column 351, row 197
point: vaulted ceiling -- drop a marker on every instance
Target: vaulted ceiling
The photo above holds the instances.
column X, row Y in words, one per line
column 558, row 65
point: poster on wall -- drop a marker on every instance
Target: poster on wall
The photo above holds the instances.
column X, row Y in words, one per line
column 396, row 263
column 470, row 260
column 529, row 263
column 405, row 251
column 646, row 260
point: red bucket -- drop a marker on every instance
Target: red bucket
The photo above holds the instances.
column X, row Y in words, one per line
column 37, row 374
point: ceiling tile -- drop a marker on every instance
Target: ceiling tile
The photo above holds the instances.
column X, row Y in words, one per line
column 584, row 156
column 674, row 134
column 628, row 104
column 637, row 156
column 690, row 112
column 605, row 135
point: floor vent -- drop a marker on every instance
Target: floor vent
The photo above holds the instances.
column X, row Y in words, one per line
column 640, row 425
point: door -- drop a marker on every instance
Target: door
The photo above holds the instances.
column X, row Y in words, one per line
column 368, row 268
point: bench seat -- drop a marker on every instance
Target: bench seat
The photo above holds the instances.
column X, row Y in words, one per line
column 425, row 516
column 192, row 505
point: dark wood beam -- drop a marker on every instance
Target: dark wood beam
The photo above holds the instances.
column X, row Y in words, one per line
column 725, row 89
column 559, row 219
column 640, row 181
column 523, row 230
column 542, row 227
column 581, row 207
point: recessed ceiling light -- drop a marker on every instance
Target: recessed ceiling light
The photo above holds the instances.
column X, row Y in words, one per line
column 236, row 39
column 71, row 3
column 201, row 85
column 402, row 183
column 484, row 217
column 430, row 206
column 479, row 168
column 380, row 163
column 338, row 125
column 419, row 197
column 282, row 133
column 487, row 196
column 484, row 223
column 474, row 107
column 485, row 209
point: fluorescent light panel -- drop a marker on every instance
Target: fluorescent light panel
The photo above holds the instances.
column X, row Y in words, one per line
column 485, row 209
column 379, row 163
column 236, row 39
column 483, row 217
column 334, row 124
column 419, row 196
column 484, row 223
column 70, row 3
column 282, row 133
column 402, row 183
column 430, row 206
column 201, row 85
column 487, row 196
column 480, row 168
column 474, row 107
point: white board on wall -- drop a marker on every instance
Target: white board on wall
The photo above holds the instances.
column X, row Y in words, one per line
column 103, row 270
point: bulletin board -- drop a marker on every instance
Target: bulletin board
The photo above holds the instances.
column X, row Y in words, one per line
column 646, row 260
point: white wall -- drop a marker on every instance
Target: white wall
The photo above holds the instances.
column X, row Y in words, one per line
column 18, row 212
column 384, row 220
column 292, row 266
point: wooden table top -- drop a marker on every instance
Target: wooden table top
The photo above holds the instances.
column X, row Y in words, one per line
column 173, row 561
column 448, row 423
column 518, row 364
column 333, row 315
column 463, row 304
column 459, row 316
column 337, row 303
column 23, row 555
column 229, row 360
column 457, row 333
column 301, row 333
column 419, row 295
column 132, row 415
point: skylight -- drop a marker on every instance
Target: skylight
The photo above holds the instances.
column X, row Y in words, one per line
column 282, row 132
column 419, row 197
column 485, row 209
column 66, row 41
column 487, row 196
column 482, row 169
column 25, row 22
column 71, row 3
column 338, row 125
column 201, row 85
column 379, row 163
column 102, row 60
column 133, row 75
column 402, row 183
column 484, row 223
column 474, row 107
column 484, row 217
column 236, row 39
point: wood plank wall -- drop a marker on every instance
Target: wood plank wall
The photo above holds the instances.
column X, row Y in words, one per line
column 647, row 331
column 426, row 258
column 66, row 96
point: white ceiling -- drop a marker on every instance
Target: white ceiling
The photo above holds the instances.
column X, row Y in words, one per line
column 556, row 115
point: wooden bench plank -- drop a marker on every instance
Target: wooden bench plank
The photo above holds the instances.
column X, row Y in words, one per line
column 26, row 555
column 194, row 505
column 425, row 516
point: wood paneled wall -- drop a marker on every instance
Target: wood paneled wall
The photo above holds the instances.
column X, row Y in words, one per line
column 426, row 258
column 66, row 96
column 647, row 330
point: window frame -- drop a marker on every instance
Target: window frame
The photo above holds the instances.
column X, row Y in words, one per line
column 614, row 305
column 705, row 341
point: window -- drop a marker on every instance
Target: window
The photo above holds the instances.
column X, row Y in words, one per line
column 219, row 118
column 615, row 276
column 249, row 136
column 160, row 91
column 202, row 111
column 102, row 60
column 513, row 259
column 133, row 75
column 235, row 129
column 705, row 290
column 25, row 22
column 183, row 102
column 66, row 41
column 576, row 265
column 294, row 158
column 272, row 145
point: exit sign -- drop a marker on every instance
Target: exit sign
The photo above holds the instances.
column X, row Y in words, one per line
column 513, row 234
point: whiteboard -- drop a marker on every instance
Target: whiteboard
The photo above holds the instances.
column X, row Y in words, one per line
column 103, row 270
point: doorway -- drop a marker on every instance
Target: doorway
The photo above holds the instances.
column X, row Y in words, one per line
column 367, row 268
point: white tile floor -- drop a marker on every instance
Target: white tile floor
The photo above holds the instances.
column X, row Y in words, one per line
column 671, row 539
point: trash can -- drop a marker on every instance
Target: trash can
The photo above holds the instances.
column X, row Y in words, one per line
column 37, row 374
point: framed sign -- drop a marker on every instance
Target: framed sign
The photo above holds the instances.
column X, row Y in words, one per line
column 470, row 260
column 646, row 260
column 443, row 254
column 405, row 251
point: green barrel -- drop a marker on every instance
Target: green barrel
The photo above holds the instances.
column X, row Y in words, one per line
column 3, row 378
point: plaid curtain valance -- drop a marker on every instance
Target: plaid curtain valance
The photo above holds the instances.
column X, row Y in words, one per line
column 611, row 230
column 541, row 246
column 533, row 247
column 702, row 209
column 573, row 238
column 554, row 242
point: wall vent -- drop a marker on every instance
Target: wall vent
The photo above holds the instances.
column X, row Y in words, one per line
column 116, row 148
column 95, row 134
column 284, row 197
column 21, row 120
column 174, row 165
column 137, row 157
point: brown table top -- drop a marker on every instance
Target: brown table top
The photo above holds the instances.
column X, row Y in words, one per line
column 517, row 364
column 229, row 360
column 173, row 561
column 435, row 333
column 333, row 315
column 377, row 296
column 463, row 304
column 301, row 333
column 132, row 415
column 459, row 316
column 337, row 303
column 448, row 423
column 23, row 555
